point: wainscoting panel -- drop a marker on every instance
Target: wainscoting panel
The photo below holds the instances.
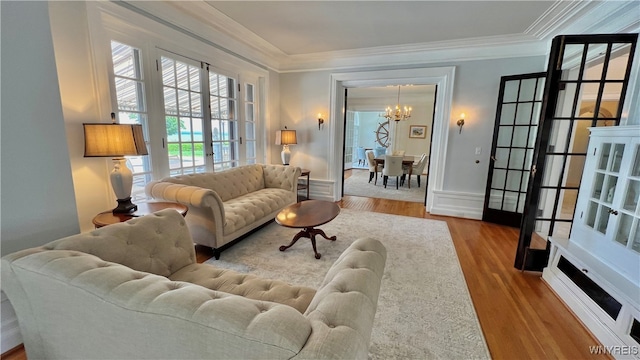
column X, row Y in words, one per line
column 458, row 204
column 322, row 190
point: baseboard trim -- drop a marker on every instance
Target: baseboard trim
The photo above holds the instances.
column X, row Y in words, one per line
column 10, row 335
column 458, row 204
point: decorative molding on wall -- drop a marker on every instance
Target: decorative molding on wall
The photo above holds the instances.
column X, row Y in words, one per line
column 458, row 204
column 9, row 327
column 498, row 47
column 201, row 20
column 204, row 23
column 321, row 190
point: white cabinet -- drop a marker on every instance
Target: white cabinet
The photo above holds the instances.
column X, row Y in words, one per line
column 607, row 217
column 597, row 270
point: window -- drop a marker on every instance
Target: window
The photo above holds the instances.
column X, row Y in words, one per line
column 224, row 122
column 131, row 104
column 182, row 89
column 199, row 122
column 250, row 124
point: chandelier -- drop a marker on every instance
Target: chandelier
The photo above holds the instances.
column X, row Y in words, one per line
column 397, row 114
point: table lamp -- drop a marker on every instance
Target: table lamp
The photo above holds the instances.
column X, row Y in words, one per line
column 285, row 138
column 116, row 141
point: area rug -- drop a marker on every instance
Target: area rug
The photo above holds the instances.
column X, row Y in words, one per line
column 358, row 184
column 424, row 309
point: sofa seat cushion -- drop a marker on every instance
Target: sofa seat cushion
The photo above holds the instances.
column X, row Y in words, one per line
column 249, row 286
column 249, row 208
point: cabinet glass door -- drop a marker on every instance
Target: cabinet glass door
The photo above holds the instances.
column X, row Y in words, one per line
column 628, row 228
column 604, row 187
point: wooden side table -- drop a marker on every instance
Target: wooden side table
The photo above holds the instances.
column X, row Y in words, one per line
column 107, row 217
column 304, row 185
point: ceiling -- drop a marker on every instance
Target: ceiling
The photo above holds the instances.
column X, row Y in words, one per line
column 302, row 35
column 305, row 27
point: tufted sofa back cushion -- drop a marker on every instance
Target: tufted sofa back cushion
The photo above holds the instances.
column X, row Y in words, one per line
column 281, row 177
column 159, row 243
column 77, row 306
column 228, row 184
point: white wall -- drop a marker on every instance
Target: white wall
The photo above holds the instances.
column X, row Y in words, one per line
column 302, row 97
column 475, row 93
column 38, row 201
column 422, row 114
column 69, row 29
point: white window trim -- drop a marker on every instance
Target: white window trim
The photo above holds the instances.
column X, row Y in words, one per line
column 109, row 21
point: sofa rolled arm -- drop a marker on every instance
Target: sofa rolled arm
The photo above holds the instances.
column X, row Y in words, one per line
column 184, row 194
column 343, row 309
column 203, row 203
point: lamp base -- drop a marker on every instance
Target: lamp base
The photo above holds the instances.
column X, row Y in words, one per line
column 285, row 154
column 125, row 206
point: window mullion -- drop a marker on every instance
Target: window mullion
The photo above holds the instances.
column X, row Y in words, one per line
column 206, row 113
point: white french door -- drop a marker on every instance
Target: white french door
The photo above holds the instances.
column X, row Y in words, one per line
column 250, row 117
column 225, row 132
column 210, row 117
column 183, row 90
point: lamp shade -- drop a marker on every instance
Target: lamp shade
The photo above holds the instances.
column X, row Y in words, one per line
column 113, row 140
column 286, row 137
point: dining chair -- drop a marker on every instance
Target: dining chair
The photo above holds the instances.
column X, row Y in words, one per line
column 361, row 156
column 392, row 167
column 373, row 168
column 379, row 151
column 418, row 168
column 398, row 153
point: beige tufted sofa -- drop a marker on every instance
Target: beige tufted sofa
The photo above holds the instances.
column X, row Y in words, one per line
column 134, row 291
column 228, row 204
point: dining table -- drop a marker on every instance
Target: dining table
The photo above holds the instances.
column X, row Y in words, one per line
column 407, row 160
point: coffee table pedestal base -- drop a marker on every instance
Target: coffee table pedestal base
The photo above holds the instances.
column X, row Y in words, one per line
column 310, row 233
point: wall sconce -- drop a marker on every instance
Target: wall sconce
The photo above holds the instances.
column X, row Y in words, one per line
column 320, row 122
column 460, row 123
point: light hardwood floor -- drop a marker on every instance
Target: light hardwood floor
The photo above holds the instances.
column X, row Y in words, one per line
column 521, row 317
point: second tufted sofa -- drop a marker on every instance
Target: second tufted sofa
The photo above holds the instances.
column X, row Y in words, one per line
column 134, row 291
column 228, row 204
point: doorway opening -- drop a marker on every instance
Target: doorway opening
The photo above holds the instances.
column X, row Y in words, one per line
column 368, row 131
column 441, row 77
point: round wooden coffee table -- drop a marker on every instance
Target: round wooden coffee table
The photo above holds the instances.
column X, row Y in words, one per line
column 307, row 215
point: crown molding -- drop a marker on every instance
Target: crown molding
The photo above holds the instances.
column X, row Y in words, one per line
column 202, row 20
column 465, row 50
column 555, row 17
column 603, row 17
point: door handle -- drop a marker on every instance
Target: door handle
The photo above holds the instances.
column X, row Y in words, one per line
column 611, row 211
column 493, row 158
column 533, row 170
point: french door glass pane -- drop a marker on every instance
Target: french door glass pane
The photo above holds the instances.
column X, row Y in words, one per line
column 224, row 123
column 183, row 116
column 250, row 124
